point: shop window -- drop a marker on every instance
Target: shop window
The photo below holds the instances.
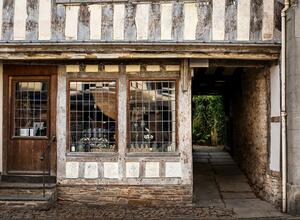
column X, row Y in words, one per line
column 30, row 109
column 93, row 115
column 152, row 116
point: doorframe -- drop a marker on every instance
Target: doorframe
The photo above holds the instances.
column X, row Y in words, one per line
column 32, row 71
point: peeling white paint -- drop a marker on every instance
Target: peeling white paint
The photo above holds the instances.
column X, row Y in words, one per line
column 71, row 28
column 243, row 20
column 132, row 169
column 218, row 20
column 268, row 20
column 111, row 170
column 166, row 21
column 90, row 170
column 20, row 16
column 142, row 21
column 1, row 8
column 44, row 19
column 95, row 21
column 72, row 170
column 190, row 21
column 119, row 15
column 152, row 169
column 173, row 169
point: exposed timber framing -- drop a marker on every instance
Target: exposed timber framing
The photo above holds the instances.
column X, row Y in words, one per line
column 72, row 51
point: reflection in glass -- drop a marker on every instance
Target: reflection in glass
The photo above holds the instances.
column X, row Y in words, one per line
column 93, row 116
column 152, row 116
column 31, row 109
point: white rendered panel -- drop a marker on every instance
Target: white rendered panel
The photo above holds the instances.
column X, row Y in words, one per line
column 142, row 21
column 218, row 20
column 20, row 16
column 95, row 22
column 243, row 20
column 268, row 20
column 44, row 19
column 166, row 21
column 275, row 90
column 71, row 22
column 119, row 16
column 190, row 21
column 275, row 147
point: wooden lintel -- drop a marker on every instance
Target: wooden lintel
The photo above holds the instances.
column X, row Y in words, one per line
column 96, row 51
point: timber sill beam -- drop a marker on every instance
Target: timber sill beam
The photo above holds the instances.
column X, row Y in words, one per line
column 71, row 51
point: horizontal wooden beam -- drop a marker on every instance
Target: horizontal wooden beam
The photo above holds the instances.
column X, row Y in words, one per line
column 98, row 51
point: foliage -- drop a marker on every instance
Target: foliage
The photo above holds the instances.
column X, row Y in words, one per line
column 208, row 120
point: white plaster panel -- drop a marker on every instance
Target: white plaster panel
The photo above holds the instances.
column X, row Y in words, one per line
column 172, row 67
column 142, row 21
column 1, row 116
column 71, row 22
column 72, row 170
column 44, row 19
column 132, row 169
column 1, row 8
column 91, row 170
column 166, row 21
column 173, row 169
column 275, row 147
column 95, row 21
column 72, row 68
column 218, row 20
column 111, row 170
column 20, row 16
column 152, row 169
column 133, row 68
column 111, row 68
column 190, row 21
column 243, row 20
column 153, row 68
column 268, row 20
column 275, row 90
column 119, row 15
column 92, row 68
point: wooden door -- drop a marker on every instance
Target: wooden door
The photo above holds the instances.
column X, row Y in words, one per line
column 30, row 119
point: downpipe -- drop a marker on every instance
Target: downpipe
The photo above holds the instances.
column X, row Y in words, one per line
column 283, row 106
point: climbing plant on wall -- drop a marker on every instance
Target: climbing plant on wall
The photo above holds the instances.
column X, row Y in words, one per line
column 208, row 120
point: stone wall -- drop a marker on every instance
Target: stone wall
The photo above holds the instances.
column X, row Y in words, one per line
column 251, row 136
column 153, row 195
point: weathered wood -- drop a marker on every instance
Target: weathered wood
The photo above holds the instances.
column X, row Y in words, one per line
column 154, row 22
column 130, row 26
column 256, row 16
column 178, row 21
column 277, row 19
column 107, row 22
column 84, row 23
column 231, row 20
column 32, row 20
column 7, row 19
column 58, row 22
column 203, row 32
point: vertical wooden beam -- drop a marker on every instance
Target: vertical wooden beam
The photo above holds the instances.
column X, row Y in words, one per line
column 256, row 14
column 203, row 32
column 178, row 21
column 58, row 22
column 84, row 22
column 231, row 20
column 1, row 117
column 32, row 20
column 107, row 22
column 61, row 122
column 130, row 26
column 155, row 22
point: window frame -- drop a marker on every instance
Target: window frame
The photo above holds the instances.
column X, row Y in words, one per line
column 128, row 136
column 68, row 139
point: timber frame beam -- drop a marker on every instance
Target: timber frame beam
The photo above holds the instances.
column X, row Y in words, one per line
column 84, row 50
